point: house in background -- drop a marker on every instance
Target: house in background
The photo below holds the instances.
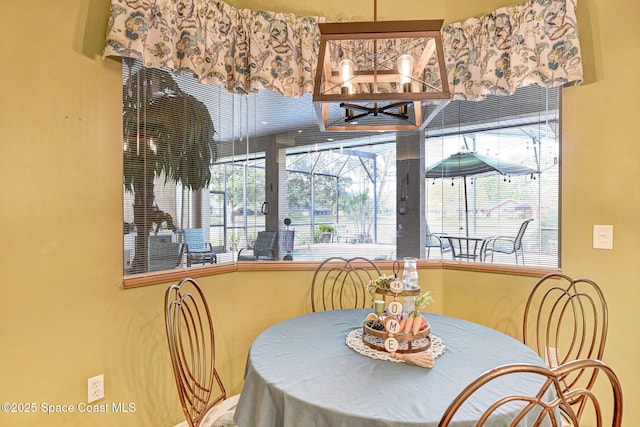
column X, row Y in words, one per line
column 508, row 209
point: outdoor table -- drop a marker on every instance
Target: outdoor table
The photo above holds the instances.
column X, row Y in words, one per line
column 300, row 372
column 466, row 247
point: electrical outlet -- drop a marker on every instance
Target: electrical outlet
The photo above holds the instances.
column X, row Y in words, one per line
column 95, row 387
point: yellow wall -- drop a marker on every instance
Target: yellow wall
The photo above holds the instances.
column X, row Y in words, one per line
column 65, row 316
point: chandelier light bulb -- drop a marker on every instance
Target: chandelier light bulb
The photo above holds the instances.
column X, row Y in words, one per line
column 347, row 67
column 405, row 70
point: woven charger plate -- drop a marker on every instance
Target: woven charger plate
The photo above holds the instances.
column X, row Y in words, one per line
column 354, row 340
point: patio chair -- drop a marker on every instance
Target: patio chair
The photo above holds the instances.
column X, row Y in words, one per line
column 340, row 283
column 197, row 249
column 506, row 244
column 512, row 407
column 264, row 248
column 191, row 340
column 164, row 255
column 434, row 241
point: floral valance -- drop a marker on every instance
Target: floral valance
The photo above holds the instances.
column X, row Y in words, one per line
column 248, row 51
column 242, row 49
column 512, row 47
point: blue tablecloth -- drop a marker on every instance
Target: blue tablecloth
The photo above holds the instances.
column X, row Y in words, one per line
column 300, row 373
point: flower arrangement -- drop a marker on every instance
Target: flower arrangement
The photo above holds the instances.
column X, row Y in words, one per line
column 383, row 281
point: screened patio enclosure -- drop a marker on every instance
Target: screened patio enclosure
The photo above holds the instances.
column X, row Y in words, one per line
column 351, row 188
column 343, row 191
column 333, row 195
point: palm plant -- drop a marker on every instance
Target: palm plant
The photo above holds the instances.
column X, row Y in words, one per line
column 168, row 133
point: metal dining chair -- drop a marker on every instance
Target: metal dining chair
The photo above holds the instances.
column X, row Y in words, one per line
column 191, row 339
column 340, row 283
column 539, row 406
column 566, row 319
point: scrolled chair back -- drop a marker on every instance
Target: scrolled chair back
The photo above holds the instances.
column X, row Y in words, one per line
column 566, row 319
column 544, row 399
column 340, row 283
column 191, row 339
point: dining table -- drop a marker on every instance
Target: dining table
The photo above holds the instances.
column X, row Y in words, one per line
column 308, row 371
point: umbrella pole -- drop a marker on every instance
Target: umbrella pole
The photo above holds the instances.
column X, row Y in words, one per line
column 466, row 206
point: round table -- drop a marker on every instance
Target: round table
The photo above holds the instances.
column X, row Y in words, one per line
column 301, row 373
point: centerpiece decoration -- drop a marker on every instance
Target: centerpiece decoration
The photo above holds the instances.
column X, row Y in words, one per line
column 398, row 326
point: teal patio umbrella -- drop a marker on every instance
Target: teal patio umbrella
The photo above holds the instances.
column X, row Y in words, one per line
column 469, row 163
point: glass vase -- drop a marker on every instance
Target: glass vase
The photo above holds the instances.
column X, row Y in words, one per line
column 410, row 273
column 409, row 281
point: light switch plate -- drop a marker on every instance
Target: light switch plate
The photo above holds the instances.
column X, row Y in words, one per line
column 603, row 236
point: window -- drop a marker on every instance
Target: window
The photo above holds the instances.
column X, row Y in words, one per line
column 521, row 130
column 337, row 189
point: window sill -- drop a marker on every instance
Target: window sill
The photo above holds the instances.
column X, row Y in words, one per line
column 146, row 279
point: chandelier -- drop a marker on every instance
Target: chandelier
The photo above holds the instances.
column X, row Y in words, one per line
column 379, row 76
